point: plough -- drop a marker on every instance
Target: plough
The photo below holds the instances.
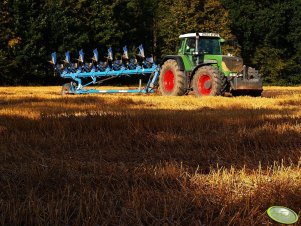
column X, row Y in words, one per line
column 99, row 71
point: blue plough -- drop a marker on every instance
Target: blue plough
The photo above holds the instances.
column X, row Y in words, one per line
column 100, row 71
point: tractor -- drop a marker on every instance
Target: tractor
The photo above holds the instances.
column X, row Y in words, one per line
column 200, row 67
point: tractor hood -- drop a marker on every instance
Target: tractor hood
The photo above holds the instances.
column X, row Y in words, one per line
column 232, row 63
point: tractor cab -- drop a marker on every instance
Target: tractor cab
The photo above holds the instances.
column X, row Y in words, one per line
column 207, row 43
column 208, row 51
column 201, row 48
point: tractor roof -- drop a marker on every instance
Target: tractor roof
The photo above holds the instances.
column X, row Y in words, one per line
column 193, row 35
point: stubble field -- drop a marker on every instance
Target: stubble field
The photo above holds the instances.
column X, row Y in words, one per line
column 147, row 159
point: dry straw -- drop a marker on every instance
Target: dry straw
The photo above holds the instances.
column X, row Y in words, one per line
column 147, row 160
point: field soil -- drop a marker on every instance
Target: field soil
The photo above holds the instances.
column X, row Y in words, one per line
column 147, row 159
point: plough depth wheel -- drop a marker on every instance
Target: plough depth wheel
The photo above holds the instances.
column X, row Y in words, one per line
column 67, row 88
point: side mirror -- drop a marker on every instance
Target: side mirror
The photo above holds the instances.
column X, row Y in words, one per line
column 222, row 40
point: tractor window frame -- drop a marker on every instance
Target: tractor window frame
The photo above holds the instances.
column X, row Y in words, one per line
column 182, row 46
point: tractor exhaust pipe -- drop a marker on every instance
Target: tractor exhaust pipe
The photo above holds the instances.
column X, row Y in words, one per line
column 197, row 48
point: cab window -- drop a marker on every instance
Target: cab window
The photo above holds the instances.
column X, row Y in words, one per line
column 181, row 46
column 190, row 45
column 209, row 46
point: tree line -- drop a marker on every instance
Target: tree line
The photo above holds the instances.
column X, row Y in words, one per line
column 267, row 33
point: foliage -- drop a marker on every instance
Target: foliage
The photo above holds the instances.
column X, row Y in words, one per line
column 202, row 16
column 269, row 33
column 30, row 30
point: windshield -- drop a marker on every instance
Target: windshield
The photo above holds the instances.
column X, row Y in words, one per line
column 210, row 46
column 206, row 45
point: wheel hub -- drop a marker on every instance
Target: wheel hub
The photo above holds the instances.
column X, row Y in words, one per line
column 205, row 84
column 169, row 80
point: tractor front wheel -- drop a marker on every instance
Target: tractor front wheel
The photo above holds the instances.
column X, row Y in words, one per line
column 171, row 79
column 209, row 81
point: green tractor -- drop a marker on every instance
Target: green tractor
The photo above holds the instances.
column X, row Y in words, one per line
column 205, row 71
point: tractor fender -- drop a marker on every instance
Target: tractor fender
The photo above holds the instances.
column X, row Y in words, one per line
column 176, row 58
column 197, row 67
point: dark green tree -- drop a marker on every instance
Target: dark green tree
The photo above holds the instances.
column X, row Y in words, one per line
column 183, row 16
column 8, row 41
column 269, row 34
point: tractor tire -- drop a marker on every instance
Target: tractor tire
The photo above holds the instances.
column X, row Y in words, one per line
column 67, row 89
column 171, row 79
column 209, row 81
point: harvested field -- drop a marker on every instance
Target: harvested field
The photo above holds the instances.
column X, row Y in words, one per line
column 147, row 159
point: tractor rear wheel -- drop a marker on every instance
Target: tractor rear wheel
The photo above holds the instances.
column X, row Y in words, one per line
column 171, row 79
column 209, row 81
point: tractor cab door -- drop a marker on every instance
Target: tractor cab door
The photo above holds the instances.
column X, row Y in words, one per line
column 189, row 49
column 190, row 46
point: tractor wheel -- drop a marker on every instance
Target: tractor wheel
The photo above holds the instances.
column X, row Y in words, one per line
column 209, row 81
column 67, row 89
column 171, row 79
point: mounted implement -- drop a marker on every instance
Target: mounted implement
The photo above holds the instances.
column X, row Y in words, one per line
column 99, row 71
column 199, row 66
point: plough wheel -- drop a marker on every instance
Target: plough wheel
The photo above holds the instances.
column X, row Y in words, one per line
column 209, row 81
column 67, row 89
column 172, row 79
